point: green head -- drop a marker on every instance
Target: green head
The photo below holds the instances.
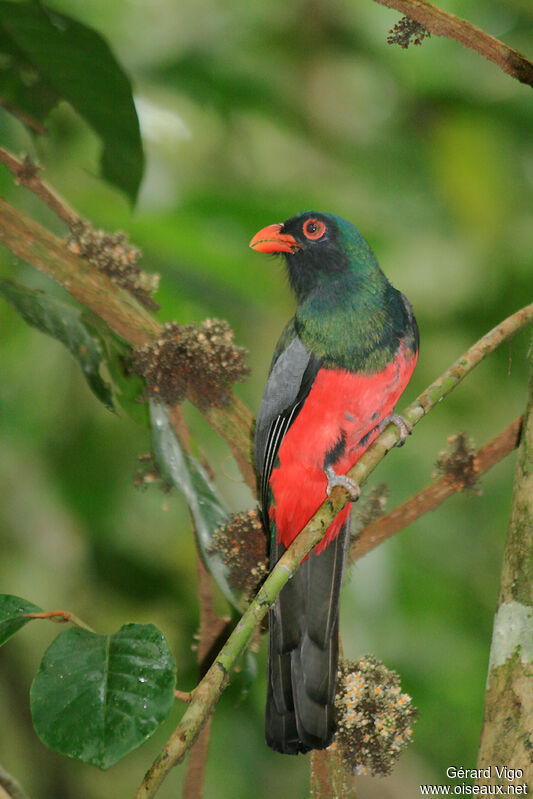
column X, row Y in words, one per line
column 320, row 249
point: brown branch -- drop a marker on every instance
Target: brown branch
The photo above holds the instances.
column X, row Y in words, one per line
column 432, row 495
column 183, row 696
column 329, row 776
column 59, row 617
column 442, row 23
column 32, row 123
column 213, row 633
column 26, row 172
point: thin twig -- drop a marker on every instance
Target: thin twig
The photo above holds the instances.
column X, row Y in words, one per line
column 26, row 172
column 212, row 628
column 59, row 617
column 10, row 787
column 209, row 690
column 442, row 23
column 19, row 114
column 432, row 495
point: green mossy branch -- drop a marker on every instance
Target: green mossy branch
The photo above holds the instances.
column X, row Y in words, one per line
column 209, row 690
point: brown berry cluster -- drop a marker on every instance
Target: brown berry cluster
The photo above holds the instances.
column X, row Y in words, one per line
column 202, row 361
column 242, row 544
column 407, row 32
column 458, row 463
column 374, row 717
column 113, row 254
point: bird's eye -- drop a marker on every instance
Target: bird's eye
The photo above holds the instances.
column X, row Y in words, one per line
column 314, row 229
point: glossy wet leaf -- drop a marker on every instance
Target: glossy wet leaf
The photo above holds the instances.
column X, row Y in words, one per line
column 66, row 323
column 206, row 507
column 48, row 56
column 97, row 697
column 12, row 610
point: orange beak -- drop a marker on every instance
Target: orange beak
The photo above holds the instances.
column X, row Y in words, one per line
column 270, row 239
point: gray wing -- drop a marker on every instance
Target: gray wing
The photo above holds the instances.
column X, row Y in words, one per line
column 412, row 338
column 288, row 385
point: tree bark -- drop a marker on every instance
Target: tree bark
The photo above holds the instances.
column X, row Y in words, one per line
column 507, row 734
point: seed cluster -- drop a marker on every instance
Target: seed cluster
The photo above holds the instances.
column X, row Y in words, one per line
column 113, row 254
column 202, row 361
column 458, row 462
column 374, row 717
column 407, row 32
column 242, row 544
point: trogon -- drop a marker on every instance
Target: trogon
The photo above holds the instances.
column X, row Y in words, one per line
column 340, row 366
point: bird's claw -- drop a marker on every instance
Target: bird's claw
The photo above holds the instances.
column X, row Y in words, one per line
column 405, row 428
column 335, row 479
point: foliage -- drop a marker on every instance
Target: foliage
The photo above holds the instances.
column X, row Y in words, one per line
column 251, row 113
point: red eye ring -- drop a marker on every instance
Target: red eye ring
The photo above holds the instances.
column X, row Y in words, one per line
column 314, row 229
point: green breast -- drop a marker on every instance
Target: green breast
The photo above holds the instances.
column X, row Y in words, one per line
column 353, row 325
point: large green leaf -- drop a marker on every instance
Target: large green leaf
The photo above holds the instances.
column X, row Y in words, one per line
column 206, row 507
column 49, row 56
column 12, row 610
column 97, row 697
column 68, row 324
column 23, row 90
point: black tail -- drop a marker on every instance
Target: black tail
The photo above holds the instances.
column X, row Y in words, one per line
column 304, row 651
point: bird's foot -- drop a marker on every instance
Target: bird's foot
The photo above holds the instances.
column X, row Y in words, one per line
column 405, row 428
column 335, row 479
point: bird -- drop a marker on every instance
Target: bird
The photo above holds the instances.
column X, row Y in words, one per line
column 338, row 370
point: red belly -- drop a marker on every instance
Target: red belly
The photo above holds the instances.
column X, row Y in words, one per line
column 339, row 403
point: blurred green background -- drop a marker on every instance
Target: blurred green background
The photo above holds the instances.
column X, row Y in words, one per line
column 250, row 112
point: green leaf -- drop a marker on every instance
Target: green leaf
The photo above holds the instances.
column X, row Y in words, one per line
column 49, row 56
column 206, row 507
column 23, row 91
column 97, row 697
column 128, row 388
column 67, row 324
column 12, row 610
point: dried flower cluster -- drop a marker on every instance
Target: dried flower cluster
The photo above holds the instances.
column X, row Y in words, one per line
column 113, row 254
column 458, row 462
column 242, row 544
column 202, row 361
column 407, row 32
column 374, row 717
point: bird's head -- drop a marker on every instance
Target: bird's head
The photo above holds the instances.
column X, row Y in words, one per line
column 319, row 248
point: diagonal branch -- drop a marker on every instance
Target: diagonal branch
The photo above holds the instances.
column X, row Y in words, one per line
column 442, row 23
column 209, row 690
column 432, row 495
column 27, row 173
